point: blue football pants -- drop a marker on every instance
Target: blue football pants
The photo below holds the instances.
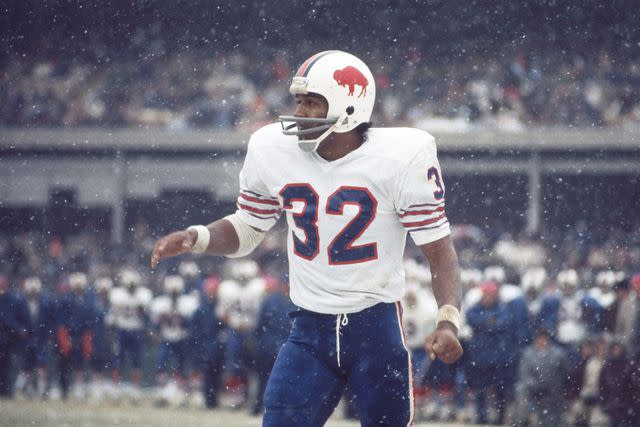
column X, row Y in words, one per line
column 325, row 352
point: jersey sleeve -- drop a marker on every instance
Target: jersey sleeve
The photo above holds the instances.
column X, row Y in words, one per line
column 256, row 206
column 420, row 199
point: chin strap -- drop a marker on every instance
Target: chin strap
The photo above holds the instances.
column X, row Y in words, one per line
column 308, row 145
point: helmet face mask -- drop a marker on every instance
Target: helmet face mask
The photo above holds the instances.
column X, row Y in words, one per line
column 294, row 127
column 348, row 87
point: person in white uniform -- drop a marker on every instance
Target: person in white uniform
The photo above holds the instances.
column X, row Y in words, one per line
column 350, row 194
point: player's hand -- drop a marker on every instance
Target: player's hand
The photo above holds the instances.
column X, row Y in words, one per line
column 173, row 244
column 444, row 344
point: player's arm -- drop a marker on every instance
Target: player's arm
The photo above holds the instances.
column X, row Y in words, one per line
column 223, row 240
column 228, row 236
column 235, row 235
column 445, row 276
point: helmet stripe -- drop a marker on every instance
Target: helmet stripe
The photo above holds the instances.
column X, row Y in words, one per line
column 306, row 66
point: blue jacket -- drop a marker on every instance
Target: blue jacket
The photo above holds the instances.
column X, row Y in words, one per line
column 11, row 325
column 518, row 331
column 273, row 323
column 41, row 327
column 75, row 313
column 489, row 344
column 98, row 324
column 206, row 330
column 592, row 313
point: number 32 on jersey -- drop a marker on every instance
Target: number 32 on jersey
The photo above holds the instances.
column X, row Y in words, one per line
column 341, row 249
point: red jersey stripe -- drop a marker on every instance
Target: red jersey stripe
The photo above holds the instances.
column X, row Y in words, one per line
column 425, row 222
column 256, row 210
column 425, row 212
column 257, row 200
column 260, row 196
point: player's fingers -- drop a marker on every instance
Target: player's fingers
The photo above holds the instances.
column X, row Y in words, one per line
column 157, row 253
column 438, row 348
column 431, row 340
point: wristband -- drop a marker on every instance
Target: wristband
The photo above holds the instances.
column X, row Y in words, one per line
column 202, row 241
column 448, row 313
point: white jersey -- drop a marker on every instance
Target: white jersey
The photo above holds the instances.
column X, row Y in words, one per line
column 239, row 305
column 418, row 315
column 127, row 308
column 172, row 316
column 348, row 218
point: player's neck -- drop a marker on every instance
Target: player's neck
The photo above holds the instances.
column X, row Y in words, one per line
column 338, row 145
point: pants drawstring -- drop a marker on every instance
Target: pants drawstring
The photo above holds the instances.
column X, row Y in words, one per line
column 341, row 320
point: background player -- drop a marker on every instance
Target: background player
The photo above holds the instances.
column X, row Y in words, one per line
column 351, row 195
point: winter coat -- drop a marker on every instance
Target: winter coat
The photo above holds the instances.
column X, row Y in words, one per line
column 273, row 323
column 206, row 332
column 11, row 328
column 542, row 373
column 616, row 388
column 489, row 344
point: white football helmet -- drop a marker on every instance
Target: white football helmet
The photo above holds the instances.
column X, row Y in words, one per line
column 32, row 285
column 173, row 284
column 130, row 278
column 103, row 284
column 533, row 280
column 78, row 281
column 495, row 273
column 567, row 279
column 348, row 86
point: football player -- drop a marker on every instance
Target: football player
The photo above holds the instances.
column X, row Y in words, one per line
column 75, row 314
column 240, row 299
column 350, row 194
column 171, row 313
column 128, row 315
column 40, row 323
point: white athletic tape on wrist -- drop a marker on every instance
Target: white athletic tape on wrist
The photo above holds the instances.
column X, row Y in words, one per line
column 450, row 314
column 248, row 237
column 202, row 241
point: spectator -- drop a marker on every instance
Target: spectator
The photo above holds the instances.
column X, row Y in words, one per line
column 574, row 383
column 572, row 314
column 206, row 331
column 616, row 388
column 11, row 331
column 588, row 404
column 627, row 308
column 271, row 331
column 488, row 352
column 542, row 371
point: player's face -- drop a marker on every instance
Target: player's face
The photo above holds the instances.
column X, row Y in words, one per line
column 310, row 106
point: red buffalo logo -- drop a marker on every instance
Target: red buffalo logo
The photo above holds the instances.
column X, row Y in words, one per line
column 351, row 77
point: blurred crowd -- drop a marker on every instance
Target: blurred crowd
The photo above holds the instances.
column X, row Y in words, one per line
column 551, row 326
column 242, row 89
column 438, row 65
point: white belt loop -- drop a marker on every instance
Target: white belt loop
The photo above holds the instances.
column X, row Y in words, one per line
column 341, row 320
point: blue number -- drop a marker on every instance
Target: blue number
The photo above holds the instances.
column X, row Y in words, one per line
column 306, row 220
column 341, row 249
column 433, row 171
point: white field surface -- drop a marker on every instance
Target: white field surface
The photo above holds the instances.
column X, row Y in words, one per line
column 56, row 413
